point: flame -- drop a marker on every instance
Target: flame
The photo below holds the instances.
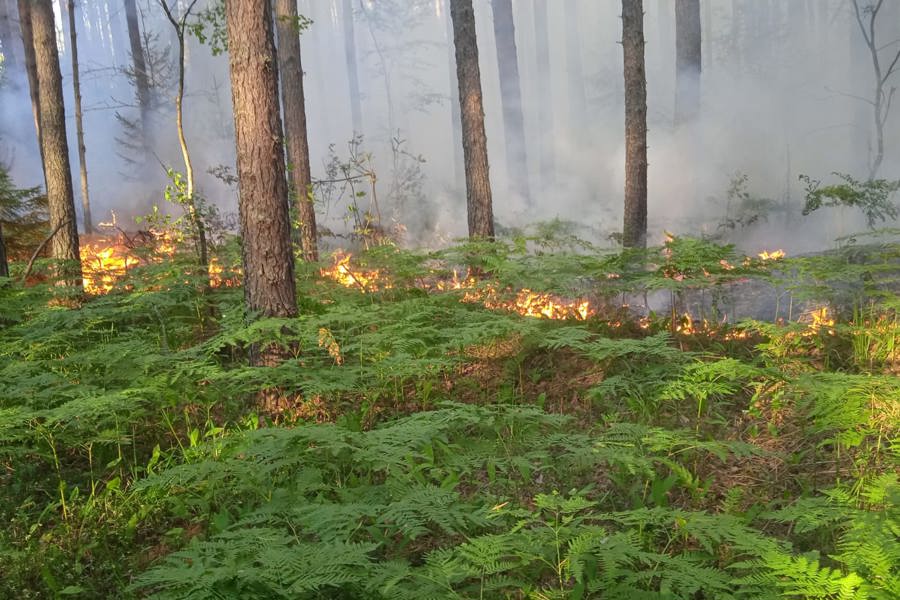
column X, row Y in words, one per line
column 819, row 319
column 106, row 260
column 103, row 263
column 765, row 255
column 346, row 275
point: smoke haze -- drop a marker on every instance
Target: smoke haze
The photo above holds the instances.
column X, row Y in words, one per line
column 777, row 86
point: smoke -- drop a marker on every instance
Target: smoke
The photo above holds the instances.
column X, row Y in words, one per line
column 777, row 100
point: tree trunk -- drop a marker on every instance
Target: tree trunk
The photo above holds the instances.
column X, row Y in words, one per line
column 269, row 287
column 634, row 234
column 352, row 75
column 141, row 82
column 511, row 98
column 545, row 95
column 31, row 69
column 190, row 201
column 577, row 102
column 52, row 112
column 455, row 117
column 4, row 264
column 79, row 124
column 291, row 70
column 468, row 75
column 687, row 60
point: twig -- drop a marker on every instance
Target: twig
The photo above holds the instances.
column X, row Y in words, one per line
column 41, row 249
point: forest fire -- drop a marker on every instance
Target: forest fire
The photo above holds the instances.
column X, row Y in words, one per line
column 343, row 273
column 106, row 260
column 526, row 302
column 767, row 256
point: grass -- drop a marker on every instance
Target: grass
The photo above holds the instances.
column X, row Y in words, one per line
column 416, row 444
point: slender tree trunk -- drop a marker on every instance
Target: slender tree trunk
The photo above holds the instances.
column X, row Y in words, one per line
column 58, row 175
column 577, row 101
column 687, row 60
column 352, row 75
column 545, row 96
column 635, row 228
column 269, row 287
column 141, row 82
column 883, row 97
column 31, row 69
column 511, row 98
column 79, row 123
column 190, row 200
column 455, row 117
column 478, row 184
column 292, row 97
column 4, row 263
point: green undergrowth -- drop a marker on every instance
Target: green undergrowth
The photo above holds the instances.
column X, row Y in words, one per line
column 416, row 445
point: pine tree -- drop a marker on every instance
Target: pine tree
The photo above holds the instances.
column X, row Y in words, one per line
column 635, row 229
column 478, row 184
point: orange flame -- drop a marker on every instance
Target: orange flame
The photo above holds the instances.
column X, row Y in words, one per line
column 346, row 275
column 106, row 260
column 766, row 256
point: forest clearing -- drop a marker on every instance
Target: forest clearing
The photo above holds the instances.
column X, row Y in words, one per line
column 256, row 363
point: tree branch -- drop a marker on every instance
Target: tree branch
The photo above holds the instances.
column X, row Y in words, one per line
column 41, row 249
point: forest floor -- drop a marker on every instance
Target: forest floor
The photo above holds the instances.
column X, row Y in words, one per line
column 523, row 435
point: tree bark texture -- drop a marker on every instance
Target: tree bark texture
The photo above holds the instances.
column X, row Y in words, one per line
column 139, row 65
column 4, row 263
column 455, row 117
column 292, row 97
column 352, row 74
column 635, row 227
column 79, row 123
column 468, row 75
column 31, row 68
column 688, row 49
column 511, row 98
column 52, row 112
column 269, row 287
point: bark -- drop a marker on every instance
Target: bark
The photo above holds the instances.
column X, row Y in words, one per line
column 352, row 74
column 31, row 68
column 511, row 98
column 79, row 123
column 296, row 140
column 269, row 287
column 635, row 227
column 687, row 61
column 4, row 264
column 179, row 25
column 455, row 117
column 139, row 66
column 545, row 95
column 468, row 75
column 52, row 112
